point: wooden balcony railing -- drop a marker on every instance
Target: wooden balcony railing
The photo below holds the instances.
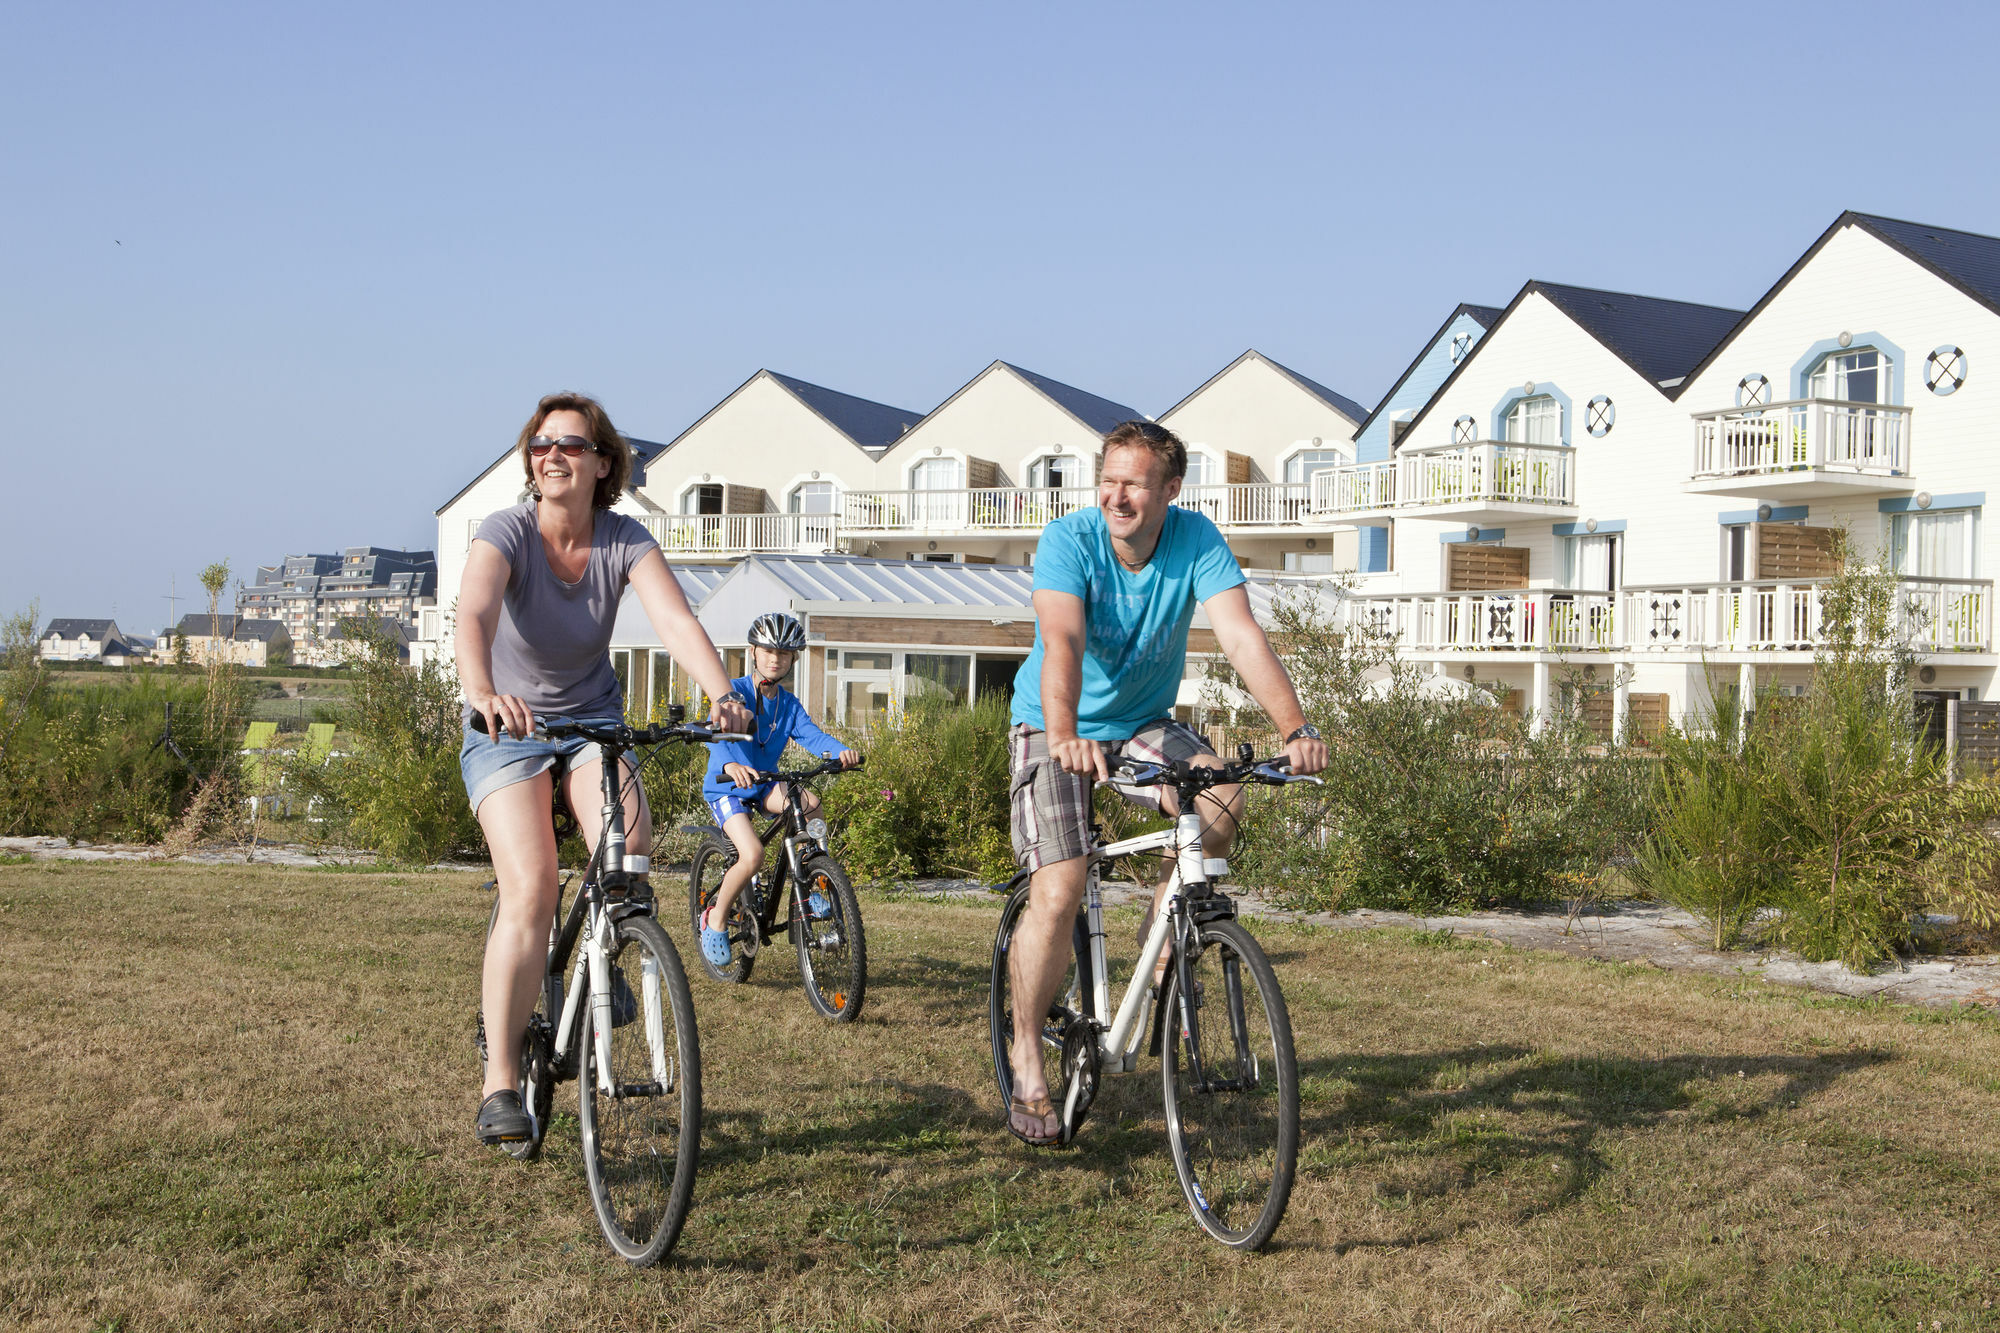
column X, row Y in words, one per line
column 1485, row 472
column 743, row 534
column 1803, row 435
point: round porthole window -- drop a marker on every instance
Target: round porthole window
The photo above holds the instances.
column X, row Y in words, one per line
column 1944, row 371
column 1460, row 345
column 1599, row 416
column 1753, row 391
column 1464, row 431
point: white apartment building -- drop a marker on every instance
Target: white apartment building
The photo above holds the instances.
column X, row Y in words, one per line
column 1646, row 491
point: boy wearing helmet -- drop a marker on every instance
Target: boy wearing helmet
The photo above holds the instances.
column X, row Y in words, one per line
column 732, row 789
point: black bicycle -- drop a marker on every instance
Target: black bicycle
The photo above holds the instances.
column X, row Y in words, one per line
column 623, row 1026
column 821, row 915
column 1229, row 1077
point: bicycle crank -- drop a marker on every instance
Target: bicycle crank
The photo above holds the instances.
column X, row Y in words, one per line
column 1079, row 1074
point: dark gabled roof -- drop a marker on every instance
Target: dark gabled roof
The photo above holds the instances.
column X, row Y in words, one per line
column 201, row 625
column 870, row 424
column 1648, row 333
column 1100, row 414
column 383, row 625
column 1967, row 260
column 1485, row 316
column 1662, row 340
column 69, row 629
column 260, row 629
column 1339, row 402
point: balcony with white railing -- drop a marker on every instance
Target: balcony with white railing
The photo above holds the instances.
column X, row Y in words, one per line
column 1933, row 616
column 726, row 536
column 1000, row 510
column 1805, row 448
column 1537, row 620
column 1484, row 482
column 1008, row 510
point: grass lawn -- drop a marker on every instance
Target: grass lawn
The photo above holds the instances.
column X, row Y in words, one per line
column 243, row 1098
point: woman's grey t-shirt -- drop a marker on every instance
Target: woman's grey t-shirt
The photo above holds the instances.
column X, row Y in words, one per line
column 553, row 644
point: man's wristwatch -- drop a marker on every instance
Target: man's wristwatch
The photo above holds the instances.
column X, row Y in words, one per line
column 1308, row 732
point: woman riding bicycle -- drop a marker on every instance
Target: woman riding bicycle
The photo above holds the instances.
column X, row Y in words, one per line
column 732, row 789
column 541, row 589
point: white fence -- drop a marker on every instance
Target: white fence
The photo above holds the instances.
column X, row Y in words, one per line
column 981, row 509
column 1805, row 434
column 743, row 534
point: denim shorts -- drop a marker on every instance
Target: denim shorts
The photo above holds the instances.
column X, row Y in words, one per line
column 488, row 765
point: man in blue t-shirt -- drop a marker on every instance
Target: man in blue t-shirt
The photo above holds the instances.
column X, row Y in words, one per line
column 1115, row 590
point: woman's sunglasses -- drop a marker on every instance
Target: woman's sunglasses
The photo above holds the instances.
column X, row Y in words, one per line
column 573, row 446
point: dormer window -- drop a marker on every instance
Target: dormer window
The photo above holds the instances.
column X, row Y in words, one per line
column 1536, row 420
column 1057, row 472
column 812, row 497
column 1301, row 465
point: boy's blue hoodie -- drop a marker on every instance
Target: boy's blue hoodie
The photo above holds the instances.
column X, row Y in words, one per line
column 773, row 723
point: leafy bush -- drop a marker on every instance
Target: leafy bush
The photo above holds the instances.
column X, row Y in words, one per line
column 933, row 798
column 1433, row 801
column 1828, row 817
column 398, row 788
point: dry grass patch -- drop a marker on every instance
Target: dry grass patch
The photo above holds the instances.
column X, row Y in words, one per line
column 242, row 1098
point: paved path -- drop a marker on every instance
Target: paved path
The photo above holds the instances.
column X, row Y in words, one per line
column 1634, row 932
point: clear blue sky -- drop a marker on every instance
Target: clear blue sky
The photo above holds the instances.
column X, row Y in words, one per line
column 277, row 278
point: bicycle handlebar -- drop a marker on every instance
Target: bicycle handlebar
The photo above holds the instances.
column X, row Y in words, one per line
column 825, row 766
column 1190, row 778
column 620, row 734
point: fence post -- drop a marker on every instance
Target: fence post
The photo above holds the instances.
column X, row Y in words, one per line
column 1951, row 740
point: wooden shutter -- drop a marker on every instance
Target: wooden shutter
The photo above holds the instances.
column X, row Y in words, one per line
column 1236, row 468
column 1789, row 551
column 1477, row 567
column 981, row 473
column 743, row 500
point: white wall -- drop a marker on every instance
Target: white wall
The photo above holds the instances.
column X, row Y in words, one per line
column 761, row 436
column 1257, row 410
column 999, row 417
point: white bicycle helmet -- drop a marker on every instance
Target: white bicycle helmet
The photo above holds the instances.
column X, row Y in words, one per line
column 775, row 629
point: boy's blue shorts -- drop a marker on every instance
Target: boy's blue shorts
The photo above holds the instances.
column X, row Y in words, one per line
column 744, row 801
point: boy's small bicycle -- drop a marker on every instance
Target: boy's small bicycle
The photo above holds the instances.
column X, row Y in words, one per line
column 821, row 915
column 623, row 1026
column 1220, row 1027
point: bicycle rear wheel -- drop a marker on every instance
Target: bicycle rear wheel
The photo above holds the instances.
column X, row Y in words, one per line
column 1231, row 1083
column 833, row 950
column 1072, row 1000
column 641, row 1140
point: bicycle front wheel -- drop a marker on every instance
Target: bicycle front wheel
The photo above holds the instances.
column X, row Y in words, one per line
column 1232, row 1087
column 642, row 1137
column 833, row 950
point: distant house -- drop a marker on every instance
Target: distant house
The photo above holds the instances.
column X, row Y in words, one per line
column 348, row 639
column 226, row 638
column 81, row 641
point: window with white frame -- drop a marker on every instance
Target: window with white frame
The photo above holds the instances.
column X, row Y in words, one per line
column 1851, row 377
column 1937, row 545
column 1201, row 468
column 1536, row 420
column 1591, row 562
column 937, row 474
column 1301, row 465
column 702, row 499
column 1309, row 562
column 812, row 497
column 1057, row 472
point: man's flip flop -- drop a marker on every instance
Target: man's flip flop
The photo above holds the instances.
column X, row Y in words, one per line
column 1041, row 1110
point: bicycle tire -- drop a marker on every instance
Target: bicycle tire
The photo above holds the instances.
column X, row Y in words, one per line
column 1235, row 1147
column 711, row 861
column 641, row 1146
column 537, row 1083
column 1073, row 998
column 833, row 952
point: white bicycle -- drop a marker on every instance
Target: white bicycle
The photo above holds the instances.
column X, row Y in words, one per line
column 1229, row 1076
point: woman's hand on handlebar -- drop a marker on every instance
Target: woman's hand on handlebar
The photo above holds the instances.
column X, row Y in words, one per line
column 729, row 715
column 509, row 709
column 741, row 774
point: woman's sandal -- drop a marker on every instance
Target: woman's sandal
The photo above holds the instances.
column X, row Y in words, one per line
column 1041, row 1110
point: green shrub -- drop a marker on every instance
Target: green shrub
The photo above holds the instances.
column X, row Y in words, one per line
column 1433, row 801
column 933, row 798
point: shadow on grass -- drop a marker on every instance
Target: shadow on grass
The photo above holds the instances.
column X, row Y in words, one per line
column 1422, row 1113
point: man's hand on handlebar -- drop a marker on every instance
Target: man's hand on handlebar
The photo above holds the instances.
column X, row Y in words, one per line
column 1308, row 755
column 509, row 709
column 1084, row 758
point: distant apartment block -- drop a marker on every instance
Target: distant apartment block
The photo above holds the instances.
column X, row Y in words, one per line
column 312, row 595
column 222, row 638
column 90, row 641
